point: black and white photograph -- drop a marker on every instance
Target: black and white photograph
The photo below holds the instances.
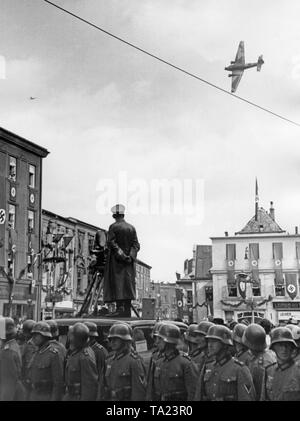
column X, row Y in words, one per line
column 149, row 203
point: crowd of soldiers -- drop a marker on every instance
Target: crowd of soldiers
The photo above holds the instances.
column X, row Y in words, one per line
column 221, row 364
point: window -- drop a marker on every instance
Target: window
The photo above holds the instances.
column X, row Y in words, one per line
column 12, row 175
column 12, row 216
column 256, row 291
column 80, row 242
column 91, row 241
column 189, row 297
column 232, row 291
column 79, row 279
column 31, row 176
column 30, row 220
column 280, row 290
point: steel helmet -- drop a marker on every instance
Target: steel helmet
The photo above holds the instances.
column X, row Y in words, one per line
column 120, row 330
column 190, row 334
column 238, row 331
column 53, row 328
column 254, row 337
column 10, row 327
column 156, row 328
column 28, row 326
column 203, row 327
column 281, row 334
column 220, row 332
column 92, row 327
column 42, row 328
column 80, row 332
column 170, row 333
column 295, row 331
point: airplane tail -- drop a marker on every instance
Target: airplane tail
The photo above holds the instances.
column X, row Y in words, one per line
column 260, row 62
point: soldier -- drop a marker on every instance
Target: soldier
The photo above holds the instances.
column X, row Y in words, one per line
column 283, row 378
column 45, row 368
column 55, row 340
column 296, row 336
column 11, row 387
column 28, row 349
column 81, row 374
column 119, row 272
column 227, row 379
column 100, row 356
column 174, row 375
column 125, row 372
column 241, row 351
column 202, row 358
column 254, row 338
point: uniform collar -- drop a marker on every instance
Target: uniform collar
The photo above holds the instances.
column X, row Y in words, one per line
column 223, row 360
column 196, row 352
column 238, row 354
column 44, row 347
column 286, row 365
column 171, row 355
column 121, row 354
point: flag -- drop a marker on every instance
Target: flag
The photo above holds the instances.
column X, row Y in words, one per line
column 177, row 276
column 256, row 199
column 57, row 238
column 277, row 256
column 67, row 241
column 230, row 258
column 179, row 299
column 254, row 256
column 291, row 284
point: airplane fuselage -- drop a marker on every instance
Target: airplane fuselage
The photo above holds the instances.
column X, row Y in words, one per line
column 239, row 66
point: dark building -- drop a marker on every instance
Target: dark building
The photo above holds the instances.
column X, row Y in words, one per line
column 20, row 223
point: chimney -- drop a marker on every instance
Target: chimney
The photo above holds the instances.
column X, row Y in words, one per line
column 272, row 211
column 296, row 230
column 226, row 233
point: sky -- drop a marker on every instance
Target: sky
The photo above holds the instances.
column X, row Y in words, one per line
column 105, row 111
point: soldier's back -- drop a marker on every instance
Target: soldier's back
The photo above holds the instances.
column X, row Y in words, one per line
column 81, row 375
column 11, row 387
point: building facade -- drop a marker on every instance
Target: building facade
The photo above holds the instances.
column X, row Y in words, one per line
column 142, row 282
column 67, row 247
column 20, row 224
column 256, row 271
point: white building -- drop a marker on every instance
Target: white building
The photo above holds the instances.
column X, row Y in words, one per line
column 270, row 257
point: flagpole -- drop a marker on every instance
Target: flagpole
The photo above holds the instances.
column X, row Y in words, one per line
column 256, row 199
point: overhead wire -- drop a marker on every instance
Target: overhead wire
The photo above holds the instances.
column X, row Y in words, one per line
column 172, row 65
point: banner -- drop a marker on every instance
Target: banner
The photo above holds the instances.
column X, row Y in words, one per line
column 230, row 258
column 3, row 207
column 179, row 299
column 291, row 284
column 203, row 262
column 242, row 286
column 254, row 256
column 277, row 256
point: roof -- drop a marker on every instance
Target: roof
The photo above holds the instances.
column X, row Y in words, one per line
column 23, row 143
column 141, row 263
column 264, row 224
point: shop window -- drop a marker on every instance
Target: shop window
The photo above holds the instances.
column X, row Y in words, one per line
column 12, row 171
column 32, row 176
column 12, row 216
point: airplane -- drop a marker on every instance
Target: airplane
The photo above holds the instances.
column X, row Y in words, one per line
column 32, row 97
column 238, row 66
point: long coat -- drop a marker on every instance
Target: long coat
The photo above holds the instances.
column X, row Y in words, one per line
column 119, row 273
column 11, row 388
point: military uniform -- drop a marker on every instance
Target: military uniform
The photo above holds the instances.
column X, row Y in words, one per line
column 60, row 348
column 200, row 358
column 81, row 375
column 243, row 356
column 283, row 382
column 11, row 387
column 225, row 380
column 46, row 374
column 174, row 377
column 125, row 377
column 28, row 350
column 257, row 364
column 100, row 356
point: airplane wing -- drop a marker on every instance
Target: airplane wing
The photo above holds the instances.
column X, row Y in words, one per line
column 236, row 77
column 240, row 55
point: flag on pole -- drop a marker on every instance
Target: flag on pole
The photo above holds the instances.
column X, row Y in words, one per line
column 256, row 199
